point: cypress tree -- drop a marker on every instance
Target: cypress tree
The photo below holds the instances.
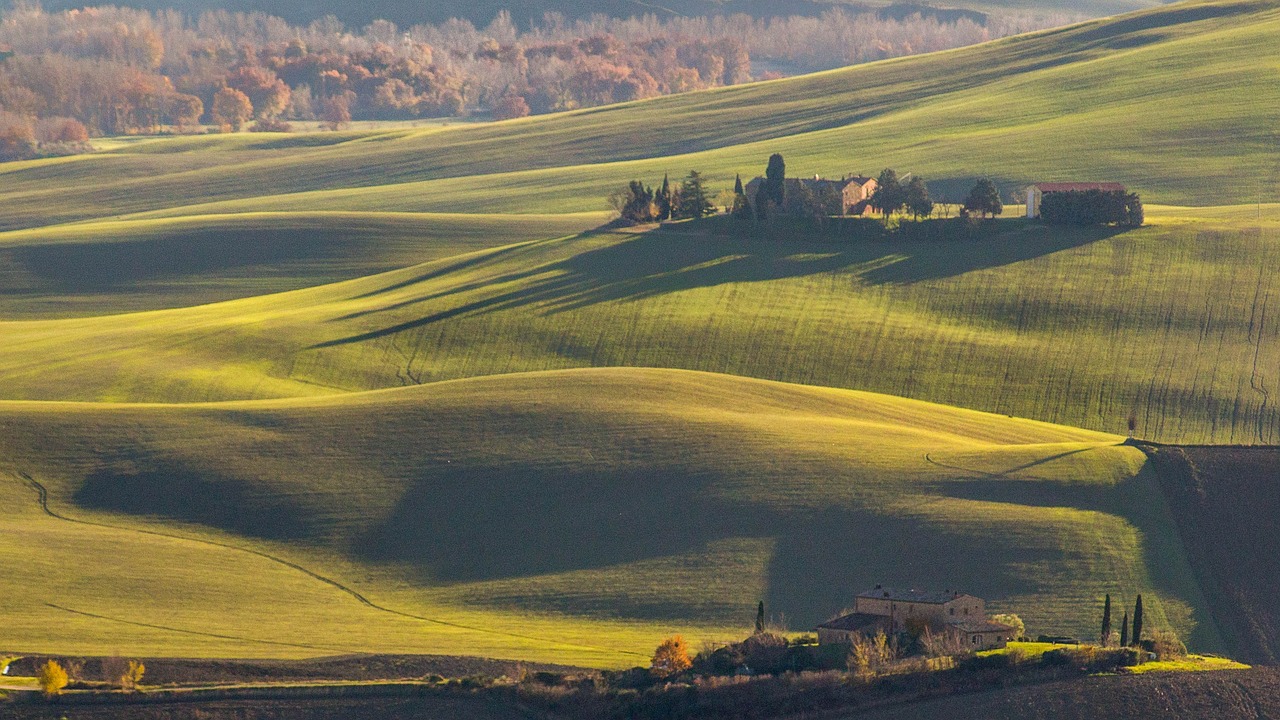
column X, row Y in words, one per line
column 760, row 617
column 663, row 199
column 1106, row 621
column 737, row 185
column 1137, row 622
column 1124, row 630
column 775, row 177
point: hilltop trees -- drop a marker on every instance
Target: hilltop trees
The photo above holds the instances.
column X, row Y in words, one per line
column 694, row 202
column 984, row 199
column 663, row 199
column 917, row 200
column 889, row 196
column 741, row 205
column 773, row 189
column 1092, row 207
column 634, row 203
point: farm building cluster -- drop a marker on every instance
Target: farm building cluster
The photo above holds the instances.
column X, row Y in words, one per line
column 893, row 611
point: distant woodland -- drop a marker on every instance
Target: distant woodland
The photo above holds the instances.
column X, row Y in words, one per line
column 66, row 76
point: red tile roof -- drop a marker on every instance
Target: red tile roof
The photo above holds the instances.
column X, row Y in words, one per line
column 1078, row 187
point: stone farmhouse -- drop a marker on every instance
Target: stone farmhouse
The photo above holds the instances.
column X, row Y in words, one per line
column 854, row 191
column 1036, row 193
column 893, row 610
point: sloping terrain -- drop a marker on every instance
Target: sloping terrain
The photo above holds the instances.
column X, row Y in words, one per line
column 129, row 266
column 556, row 515
column 1178, row 102
column 1227, row 500
column 1080, row 327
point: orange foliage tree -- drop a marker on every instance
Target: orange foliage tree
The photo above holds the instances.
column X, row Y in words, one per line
column 671, row 658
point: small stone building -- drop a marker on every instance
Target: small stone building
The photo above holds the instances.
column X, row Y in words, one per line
column 854, row 191
column 896, row 610
column 1036, row 193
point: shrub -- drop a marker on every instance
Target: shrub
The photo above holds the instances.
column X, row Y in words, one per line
column 52, row 678
column 1166, row 645
column 1012, row 621
column 132, row 676
column 765, row 652
column 510, row 107
column 17, row 138
column 270, row 125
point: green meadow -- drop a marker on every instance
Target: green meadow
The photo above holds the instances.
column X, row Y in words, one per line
column 570, row 516
column 405, row 391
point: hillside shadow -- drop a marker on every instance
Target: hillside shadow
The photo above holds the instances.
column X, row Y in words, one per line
column 156, row 487
column 96, row 266
column 693, row 256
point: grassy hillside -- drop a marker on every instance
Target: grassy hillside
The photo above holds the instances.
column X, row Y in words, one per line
column 1072, row 326
column 126, row 266
column 1179, row 102
column 579, row 510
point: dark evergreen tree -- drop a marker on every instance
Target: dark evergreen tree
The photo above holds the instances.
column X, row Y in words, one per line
column 1135, row 215
column 741, row 206
column 760, row 618
column 890, row 195
column 775, row 180
column 1106, row 621
column 694, row 202
column 916, row 198
column 662, row 199
column 1124, row 630
column 984, row 199
column 1137, row 622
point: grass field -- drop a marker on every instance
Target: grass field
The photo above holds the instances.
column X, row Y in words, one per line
column 286, row 401
column 1078, row 327
column 580, row 510
column 134, row 265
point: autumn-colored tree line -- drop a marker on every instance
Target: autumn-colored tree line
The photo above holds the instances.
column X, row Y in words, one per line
column 125, row 71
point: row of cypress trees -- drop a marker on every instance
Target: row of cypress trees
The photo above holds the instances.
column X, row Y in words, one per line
column 1125, row 638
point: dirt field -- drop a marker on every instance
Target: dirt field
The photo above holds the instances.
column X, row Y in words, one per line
column 1227, row 695
column 1227, row 501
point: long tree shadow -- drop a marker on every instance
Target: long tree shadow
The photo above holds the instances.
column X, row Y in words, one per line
column 694, row 256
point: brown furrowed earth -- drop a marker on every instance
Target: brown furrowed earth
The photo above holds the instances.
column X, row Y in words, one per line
column 1226, row 500
column 1233, row 695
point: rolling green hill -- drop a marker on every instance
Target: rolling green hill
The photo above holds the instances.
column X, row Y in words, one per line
column 1078, row 327
column 571, row 517
column 150, row 264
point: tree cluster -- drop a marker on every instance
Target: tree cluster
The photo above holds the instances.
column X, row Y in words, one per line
column 892, row 195
column 120, row 70
column 1124, row 638
column 1092, row 207
column 637, row 203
